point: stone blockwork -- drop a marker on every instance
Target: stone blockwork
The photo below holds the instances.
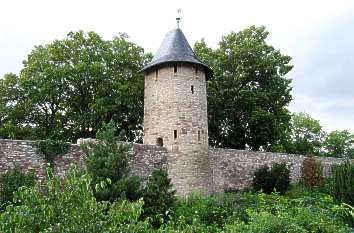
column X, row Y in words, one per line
column 175, row 112
column 229, row 169
column 143, row 158
column 234, row 169
column 23, row 154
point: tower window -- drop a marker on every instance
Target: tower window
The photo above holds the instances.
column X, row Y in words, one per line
column 159, row 142
column 198, row 135
column 192, row 89
column 196, row 71
column 175, row 134
column 156, row 74
column 175, row 68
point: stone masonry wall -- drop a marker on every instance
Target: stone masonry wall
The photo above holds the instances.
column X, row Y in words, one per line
column 234, row 169
column 230, row 169
column 144, row 158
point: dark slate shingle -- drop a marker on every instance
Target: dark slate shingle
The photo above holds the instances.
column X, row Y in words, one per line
column 175, row 48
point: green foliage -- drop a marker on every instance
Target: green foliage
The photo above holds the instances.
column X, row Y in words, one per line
column 69, row 88
column 311, row 172
column 248, row 95
column 49, row 149
column 69, row 206
column 213, row 211
column 108, row 160
column 11, row 181
column 159, row 197
column 342, row 185
column 305, row 137
column 340, row 144
column 298, row 190
column 273, row 213
column 278, row 178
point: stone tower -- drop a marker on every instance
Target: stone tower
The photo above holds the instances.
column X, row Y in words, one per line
column 175, row 112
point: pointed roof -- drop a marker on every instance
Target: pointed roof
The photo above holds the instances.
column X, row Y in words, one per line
column 175, row 48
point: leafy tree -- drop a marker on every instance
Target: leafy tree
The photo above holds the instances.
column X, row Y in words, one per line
column 108, row 159
column 70, row 87
column 306, row 135
column 159, row 197
column 248, row 95
column 13, row 111
column 340, row 144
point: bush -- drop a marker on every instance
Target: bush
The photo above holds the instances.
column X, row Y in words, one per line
column 108, row 159
column 69, row 206
column 342, row 185
column 49, row 149
column 278, row 178
column 13, row 179
column 159, row 197
column 311, row 173
column 276, row 214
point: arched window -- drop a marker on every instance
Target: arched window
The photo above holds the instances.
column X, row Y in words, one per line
column 159, row 141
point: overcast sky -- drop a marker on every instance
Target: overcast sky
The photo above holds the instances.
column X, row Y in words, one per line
column 318, row 35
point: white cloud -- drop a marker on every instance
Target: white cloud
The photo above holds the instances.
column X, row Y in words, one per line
column 302, row 29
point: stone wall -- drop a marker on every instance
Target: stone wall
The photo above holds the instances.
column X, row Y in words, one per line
column 175, row 112
column 234, row 169
column 230, row 169
column 144, row 158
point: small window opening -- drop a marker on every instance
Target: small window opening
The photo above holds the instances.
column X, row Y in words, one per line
column 192, row 89
column 196, row 71
column 159, row 142
column 156, row 74
column 175, row 134
column 198, row 135
column 175, row 69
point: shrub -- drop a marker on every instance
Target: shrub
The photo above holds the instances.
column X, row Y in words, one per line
column 276, row 214
column 311, row 172
column 342, row 185
column 69, row 206
column 49, row 149
column 159, row 197
column 278, row 178
column 13, row 179
column 108, row 159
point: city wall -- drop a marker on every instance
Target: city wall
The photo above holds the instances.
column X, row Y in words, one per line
column 230, row 169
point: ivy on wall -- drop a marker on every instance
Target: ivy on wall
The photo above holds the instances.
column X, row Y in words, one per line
column 49, row 149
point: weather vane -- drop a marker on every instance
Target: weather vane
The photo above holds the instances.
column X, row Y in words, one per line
column 178, row 17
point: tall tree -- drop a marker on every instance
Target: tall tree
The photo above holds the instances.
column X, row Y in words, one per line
column 72, row 86
column 340, row 144
column 13, row 110
column 306, row 135
column 248, row 95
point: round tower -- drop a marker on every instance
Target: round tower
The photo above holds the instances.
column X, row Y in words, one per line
column 175, row 112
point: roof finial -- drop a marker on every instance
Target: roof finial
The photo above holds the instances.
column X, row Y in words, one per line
column 178, row 16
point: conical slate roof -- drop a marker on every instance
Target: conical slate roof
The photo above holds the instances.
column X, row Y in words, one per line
column 175, row 48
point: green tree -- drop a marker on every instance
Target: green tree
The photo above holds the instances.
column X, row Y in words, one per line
column 13, row 111
column 159, row 197
column 340, row 144
column 70, row 87
column 248, row 95
column 306, row 135
column 108, row 160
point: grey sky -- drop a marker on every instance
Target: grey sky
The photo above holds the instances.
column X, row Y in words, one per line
column 319, row 35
